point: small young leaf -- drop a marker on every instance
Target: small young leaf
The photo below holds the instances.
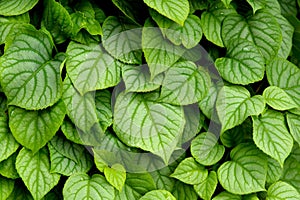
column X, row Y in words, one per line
column 278, row 99
column 176, row 10
column 256, row 4
column 271, row 135
column 81, row 186
column 6, row 187
column 294, row 126
column 116, row 176
column 190, row 172
column 207, row 188
column 16, row 7
column 159, row 195
column 34, row 169
column 246, row 172
column 282, row 190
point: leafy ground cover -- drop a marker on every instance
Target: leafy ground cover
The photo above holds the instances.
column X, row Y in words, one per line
column 152, row 99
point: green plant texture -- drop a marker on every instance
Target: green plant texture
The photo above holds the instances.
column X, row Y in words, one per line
column 150, row 99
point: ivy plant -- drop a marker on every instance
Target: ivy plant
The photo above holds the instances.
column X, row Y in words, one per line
column 150, row 99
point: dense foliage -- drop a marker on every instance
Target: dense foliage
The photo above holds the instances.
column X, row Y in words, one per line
column 152, row 99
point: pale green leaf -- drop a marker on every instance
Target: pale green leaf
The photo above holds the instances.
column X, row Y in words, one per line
column 190, row 172
column 9, row 28
column 183, row 191
column 271, row 135
column 33, row 129
column 68, row 158
column 37, row 84
column 7, row 142
column 116, row 176
column 103, row 108
column 206, row 150
column 159, row 195
column 212, row 19
column 70, row 131
column 262, row 29
column 6, row 187
column 274, row 171
column 16, row 7
column 278, row 99
column 206, row 188
column 246, row 172
column 176, row 10
column 137, row 79
column 163, row 22
column 141, row 122
column 160, row 54
column 256, row 4
column 243, row 63
column 81, row 186
column 281, row 190
column 234, row 105
column 8, row 167
column 123, row 39
column 184, row 84
column 294, row 126
column 90, row 68
column 291, row 172
column 34, row 169
column 285, row 75
column 227, row 196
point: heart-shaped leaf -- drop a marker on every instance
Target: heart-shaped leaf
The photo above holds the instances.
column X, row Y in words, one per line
column 278, row 99
column 116, row 176
column 206, row 188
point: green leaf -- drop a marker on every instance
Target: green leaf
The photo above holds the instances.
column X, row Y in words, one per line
column 262, row 29
column 34, row 169
column 198, row 5
column 177, row 11
column 8, row 168
column 20, row 192
column 234, row 105
column 80, row 109
column 116, row 176
column 159, row 195
column 206, row 150
column 9, row 28
column 127, row 193
column 274, row 170
column 81, row 186
column 294, row 126
column 271, row 135
column 256, row 4
column 246, row 172
column 243, row 63
column 137, row 79
column 103, row 108
column 288, row 7
column 226, row 3
column 33, row 129
column 190, row 172
column 285, row 75
column 37, row 84
column 207, row 104
column 189, row 35
column 227, row 196
column 160, row 54
column 281, row 190
column 162, row 177
column 6, row 187
column 68, row 158
column 206, row 188
column 141, row 122
column 90, row 68
column 70, row 131
column 140, row 182
column 183, row 191
column 291, row 172
column 212, row 19
column 184, row 84
column 123, row 39
column 7, row 142
column 278, row 99
column 57, row 21
column 16, row 7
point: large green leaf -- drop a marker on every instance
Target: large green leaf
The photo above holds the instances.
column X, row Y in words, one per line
column 7, row 142
column 176, row 10
column 68, row 158
column 294, row 126
column 123, row 39
column 159, row 195
column 116, row 176
column 33, row 129
column 246, row 172
column 37, row 84
column 90, row 68
column 234, row 105
column 159, row 53
column 285, row 75
column 278, row 99
column 206, row 150
column 16, row 7
column 271, row 135
column 81, row 186
column 6, row 187
column 206, row 188
column 141, row 122
column 243, row 63
column 261, row 29
column 8, row 168
column 281, row 190
column 34, row 169
column 190, row 172
column 184, row 84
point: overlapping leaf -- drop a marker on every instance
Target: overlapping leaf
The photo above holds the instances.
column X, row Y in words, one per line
column 158, row 194
column 8, row 168
column 6, row 187
column 207, row 188
column 183, row 191
column 274, row 171
column 282, row 190
column 278, row 99
column 294, row 126
column 16, row 7
column 116, row 176
column 103, row 108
